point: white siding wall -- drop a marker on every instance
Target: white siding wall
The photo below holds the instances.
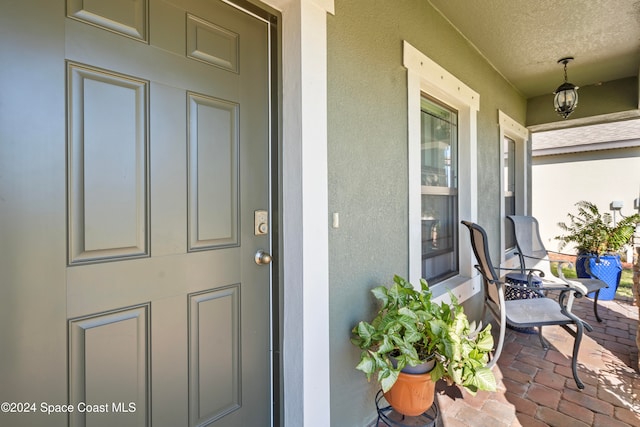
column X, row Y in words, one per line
column 558, row 182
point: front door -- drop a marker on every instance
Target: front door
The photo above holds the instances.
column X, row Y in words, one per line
column 157, row 170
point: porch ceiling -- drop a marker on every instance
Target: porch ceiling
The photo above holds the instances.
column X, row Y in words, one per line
column 523, row 40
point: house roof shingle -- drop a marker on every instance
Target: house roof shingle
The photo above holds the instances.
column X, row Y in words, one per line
column 603, row 136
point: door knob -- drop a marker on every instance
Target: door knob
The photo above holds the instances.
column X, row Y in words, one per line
column 263, row 257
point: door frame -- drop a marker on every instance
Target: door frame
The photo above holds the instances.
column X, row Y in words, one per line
column 303, row 239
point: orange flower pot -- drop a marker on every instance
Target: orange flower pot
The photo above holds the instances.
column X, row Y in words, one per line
column 412, row 394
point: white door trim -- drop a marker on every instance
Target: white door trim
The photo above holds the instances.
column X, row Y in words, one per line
column 305, row 316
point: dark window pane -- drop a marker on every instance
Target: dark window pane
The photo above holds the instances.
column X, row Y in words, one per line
column 439, row 191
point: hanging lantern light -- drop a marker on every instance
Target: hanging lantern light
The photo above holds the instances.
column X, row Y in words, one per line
column 566, row 96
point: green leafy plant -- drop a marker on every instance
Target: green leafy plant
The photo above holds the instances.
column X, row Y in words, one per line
column 594, row 233
column 411, row 329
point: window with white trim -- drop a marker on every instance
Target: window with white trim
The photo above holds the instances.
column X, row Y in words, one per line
column 425, row 78
column 513, row 162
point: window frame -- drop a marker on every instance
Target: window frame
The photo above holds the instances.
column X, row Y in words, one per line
column 513, row 130
column 425, row 76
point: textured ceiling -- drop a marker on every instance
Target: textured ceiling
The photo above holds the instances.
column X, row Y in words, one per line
column 523, row 39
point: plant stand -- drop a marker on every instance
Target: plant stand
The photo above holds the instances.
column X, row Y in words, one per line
column 511, row 294
column 388, row 417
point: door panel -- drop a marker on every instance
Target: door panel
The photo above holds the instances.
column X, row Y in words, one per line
column 126, row 17
column 212, row 44
column 213, row 172
column 109, row 368
column 107, row 166
column 167, row 316
column 215, row 388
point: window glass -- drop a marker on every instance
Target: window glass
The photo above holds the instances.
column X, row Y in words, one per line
column 439, row 186
column 509, row 149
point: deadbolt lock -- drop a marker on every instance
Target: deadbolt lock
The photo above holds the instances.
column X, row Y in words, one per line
column 261, row 223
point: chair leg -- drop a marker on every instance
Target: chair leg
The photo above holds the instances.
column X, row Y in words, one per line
column 595, row 306
column 501, row 334
column 576, row 348
column 543, row 342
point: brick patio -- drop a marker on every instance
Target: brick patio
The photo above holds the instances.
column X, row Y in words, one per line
column 536, row 388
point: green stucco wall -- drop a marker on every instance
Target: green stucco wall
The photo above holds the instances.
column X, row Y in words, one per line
column 367, row 149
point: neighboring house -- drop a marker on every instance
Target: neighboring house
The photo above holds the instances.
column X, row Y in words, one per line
column 598, row 163
column 139, row 187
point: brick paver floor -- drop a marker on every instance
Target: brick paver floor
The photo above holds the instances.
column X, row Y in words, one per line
column 536, row 387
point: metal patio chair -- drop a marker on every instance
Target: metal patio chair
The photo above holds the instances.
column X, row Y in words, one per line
column 524, row 313
column 533, row 254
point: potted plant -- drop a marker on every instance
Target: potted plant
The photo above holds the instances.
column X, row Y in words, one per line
column 411, row 331
column 598, row 242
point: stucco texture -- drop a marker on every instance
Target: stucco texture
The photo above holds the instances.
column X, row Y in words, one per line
column 368, row 167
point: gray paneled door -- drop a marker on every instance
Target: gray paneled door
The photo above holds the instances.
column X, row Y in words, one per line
column 152, row 170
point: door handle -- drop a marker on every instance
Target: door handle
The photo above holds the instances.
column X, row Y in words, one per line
column 263, row 257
